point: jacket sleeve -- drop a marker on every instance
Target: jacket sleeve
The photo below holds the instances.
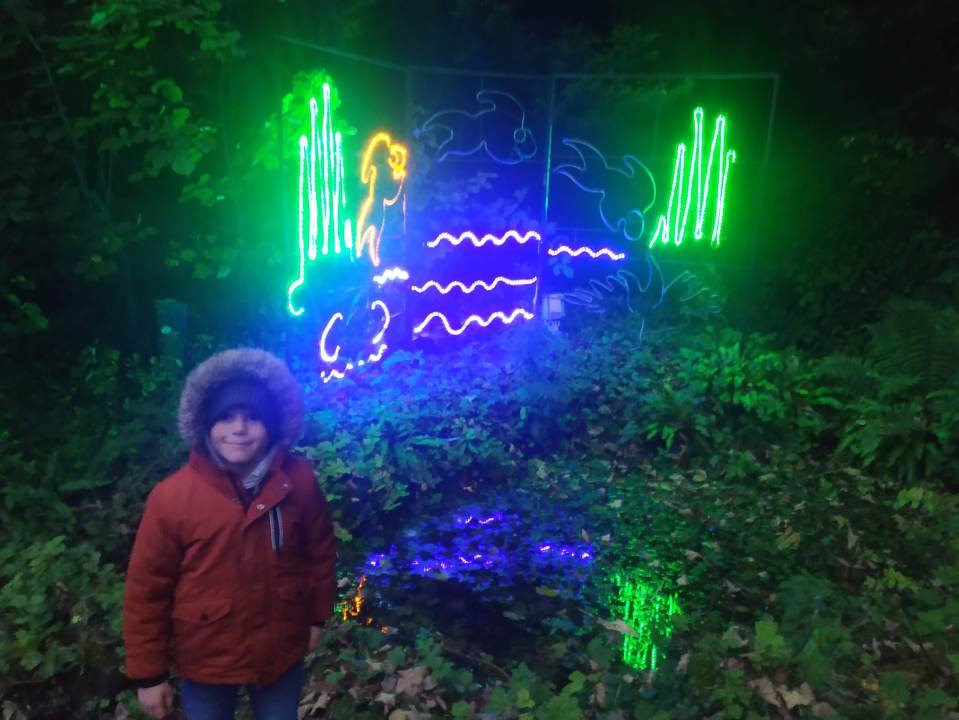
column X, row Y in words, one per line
column 148, row 595
column 321, row 555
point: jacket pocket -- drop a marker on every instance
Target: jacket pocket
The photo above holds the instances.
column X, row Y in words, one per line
column 202, row 612
column 201, row 632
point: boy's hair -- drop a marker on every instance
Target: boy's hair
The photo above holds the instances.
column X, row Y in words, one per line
column 247, row 393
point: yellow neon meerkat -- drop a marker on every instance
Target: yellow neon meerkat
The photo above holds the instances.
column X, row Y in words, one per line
column 369, row 229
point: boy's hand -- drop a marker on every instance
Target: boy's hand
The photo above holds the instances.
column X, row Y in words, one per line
column 316, row 635
column 156, row 701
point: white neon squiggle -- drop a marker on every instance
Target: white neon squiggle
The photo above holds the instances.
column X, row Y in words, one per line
column 327, row 358
column 300, row 280
column 483, row 322
column 444, row 289
column 311, row 178
column 322, row 152
column 339, row 375
column 386, row 320
column 391, row 274
column 488, row 238
column 567, row 250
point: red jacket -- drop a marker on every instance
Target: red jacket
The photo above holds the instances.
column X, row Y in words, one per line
column 228, row 596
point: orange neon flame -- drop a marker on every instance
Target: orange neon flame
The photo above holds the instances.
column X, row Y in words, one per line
column 371, row 233
column 353, row 608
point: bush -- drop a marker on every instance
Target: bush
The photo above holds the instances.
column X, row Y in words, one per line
column 61, row 610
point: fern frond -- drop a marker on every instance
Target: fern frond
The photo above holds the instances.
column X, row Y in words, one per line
column 852, row 373
column 916, row 340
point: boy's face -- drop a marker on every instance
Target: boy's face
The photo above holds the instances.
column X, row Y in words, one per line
column 240, row 437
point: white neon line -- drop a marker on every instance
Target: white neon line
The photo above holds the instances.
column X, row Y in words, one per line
column 566, row 250
column 386, row 323
column 488, row 238
column 337, row 375
column 391, row 274
column 323, row 353
column 444, row 289
column 498, row 315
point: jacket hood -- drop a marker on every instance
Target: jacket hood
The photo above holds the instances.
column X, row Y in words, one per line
column 231, row 365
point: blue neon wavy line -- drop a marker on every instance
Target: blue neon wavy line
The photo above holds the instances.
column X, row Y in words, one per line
column 498, row 315
column 488, row 238
column 443, row 290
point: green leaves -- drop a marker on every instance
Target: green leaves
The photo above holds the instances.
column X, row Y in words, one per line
column 895, row 688
column 61, row 604
column 770, row 646
column 168, row 90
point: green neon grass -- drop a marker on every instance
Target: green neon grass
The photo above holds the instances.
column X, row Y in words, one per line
column 648, row 612
column 323, row 148
column 673, row 225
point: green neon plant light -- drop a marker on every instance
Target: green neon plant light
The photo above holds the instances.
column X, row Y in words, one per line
column 673, row 225
column 321, row 192
column 648, row 612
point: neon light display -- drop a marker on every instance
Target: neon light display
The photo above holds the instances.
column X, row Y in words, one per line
column 352, row 609
column 591, row 295
column 466, row 520
column 595, row 254
column 648, row 612
column 474, row 319
column 375, row 357
column 488, row 238
column 485, row 547
column 324, row 355
column 373, row 212
column 623, row 187
column 462, row 287
column 499, row 128
column 321, row 199
column 673, row 225
column 617, row 188
column 391, row 274
column 324, row 149
column 386, row 321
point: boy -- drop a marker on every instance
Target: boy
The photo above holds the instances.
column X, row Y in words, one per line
column 232, row 574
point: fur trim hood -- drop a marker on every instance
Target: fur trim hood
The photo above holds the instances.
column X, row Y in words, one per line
column 241, row 363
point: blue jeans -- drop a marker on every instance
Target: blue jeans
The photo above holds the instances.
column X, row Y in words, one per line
column 276, row 701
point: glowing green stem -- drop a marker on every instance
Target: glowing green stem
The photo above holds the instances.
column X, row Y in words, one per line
column 670, row 227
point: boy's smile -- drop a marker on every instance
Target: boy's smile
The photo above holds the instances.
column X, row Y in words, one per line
column 240, row 438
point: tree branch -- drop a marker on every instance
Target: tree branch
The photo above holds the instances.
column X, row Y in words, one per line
column 29, row 121
column 62, row 114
